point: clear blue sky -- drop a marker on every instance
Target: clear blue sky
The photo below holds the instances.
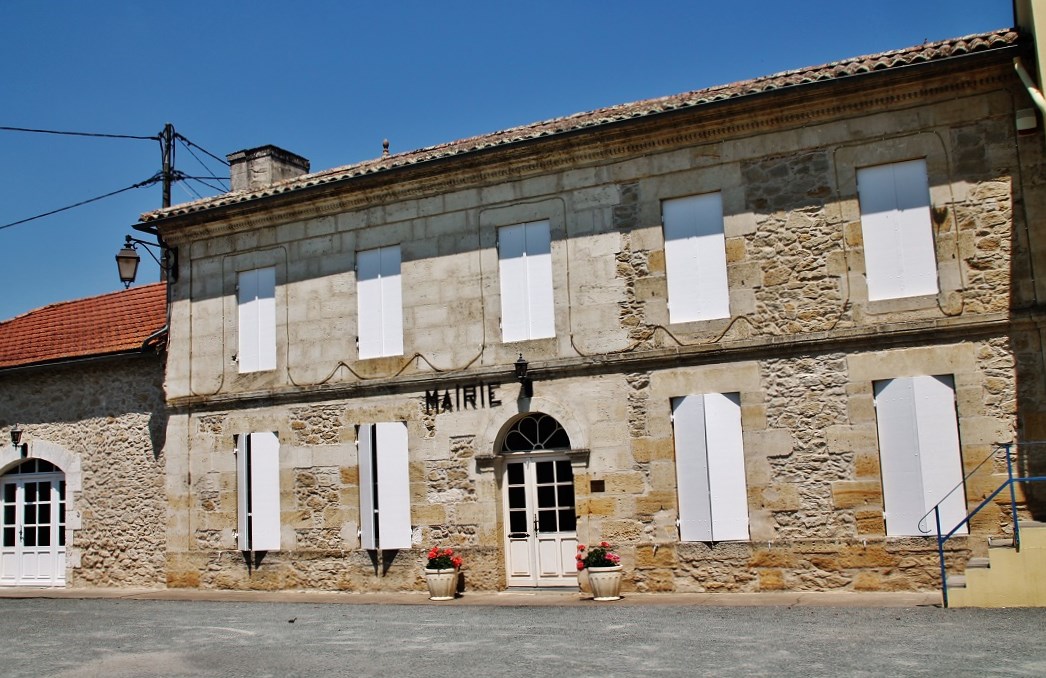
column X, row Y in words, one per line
column 330, row 79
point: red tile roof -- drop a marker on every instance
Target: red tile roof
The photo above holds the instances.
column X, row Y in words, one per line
column 117, row 322
column 838, row 70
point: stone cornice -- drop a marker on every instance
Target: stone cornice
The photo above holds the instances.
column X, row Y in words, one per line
column 869, row 338
column 784, row 109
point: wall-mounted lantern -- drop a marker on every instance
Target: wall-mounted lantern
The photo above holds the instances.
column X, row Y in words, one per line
column 16, row 441
column 523, row 379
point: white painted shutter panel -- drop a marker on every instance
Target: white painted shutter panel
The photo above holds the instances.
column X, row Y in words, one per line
column 256, row 299
column 247, row 329
column 364, row 451
column 939, row 447
column 267, row 318
column 539, row 280
column 903, row 501
column 242, row 492
column 368, row 297
column 695, row 514
column 265, row 491
column 393, row 485
column 895, row 224
column 391, row 302
column 728, row 488
column 695, row 258
column 515, row 319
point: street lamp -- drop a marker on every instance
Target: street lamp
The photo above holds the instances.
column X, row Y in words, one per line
column 127, row 260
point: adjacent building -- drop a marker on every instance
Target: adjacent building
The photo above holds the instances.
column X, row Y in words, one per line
column 82, row 491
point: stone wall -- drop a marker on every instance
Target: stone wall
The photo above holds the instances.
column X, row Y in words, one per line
column 802, row 346
column 102, row 422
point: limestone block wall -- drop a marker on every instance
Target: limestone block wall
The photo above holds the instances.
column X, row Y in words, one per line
column 794, row 250
column 102, row 422
column 814, row 488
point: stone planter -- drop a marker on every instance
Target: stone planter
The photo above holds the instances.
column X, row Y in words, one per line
column 605, row 582
column 443, row 584
column 582, row 581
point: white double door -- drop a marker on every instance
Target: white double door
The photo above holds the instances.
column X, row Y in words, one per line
column 540, row 521
column 32, row 530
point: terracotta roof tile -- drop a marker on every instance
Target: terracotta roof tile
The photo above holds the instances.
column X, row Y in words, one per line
column 111, row 323
column 833, row 71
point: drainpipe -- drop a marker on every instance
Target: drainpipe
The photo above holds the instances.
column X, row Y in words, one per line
column 1029, row 84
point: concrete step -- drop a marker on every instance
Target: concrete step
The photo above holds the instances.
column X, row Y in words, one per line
column 1000, row 542
column 957, row 581
column 978, row 563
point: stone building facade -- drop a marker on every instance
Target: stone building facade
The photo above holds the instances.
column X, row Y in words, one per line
column 733, row 374
column 83, row 493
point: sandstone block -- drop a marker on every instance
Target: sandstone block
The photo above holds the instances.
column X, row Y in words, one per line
column 656, row 502
column 652, row 556
column 625, row 483
column 645, row 450
column 773, row 558
column 854, row 493
column 772, row 580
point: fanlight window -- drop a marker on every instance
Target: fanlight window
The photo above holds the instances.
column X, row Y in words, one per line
column 536, row 432
column 34, row 466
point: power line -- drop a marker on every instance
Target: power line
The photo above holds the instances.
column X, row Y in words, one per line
column 202, row 164
column 221, row 160
column 78, row 134
column 151, row 180
column 220, row 189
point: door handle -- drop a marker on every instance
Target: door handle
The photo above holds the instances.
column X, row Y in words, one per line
column 518, row 535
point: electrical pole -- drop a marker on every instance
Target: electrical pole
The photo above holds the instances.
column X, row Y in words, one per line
column 167, row 175
column 167, row 150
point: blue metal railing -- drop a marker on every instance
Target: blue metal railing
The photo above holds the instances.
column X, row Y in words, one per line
column 1008, row 483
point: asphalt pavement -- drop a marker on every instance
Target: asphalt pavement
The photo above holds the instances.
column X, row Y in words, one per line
column 513, row 634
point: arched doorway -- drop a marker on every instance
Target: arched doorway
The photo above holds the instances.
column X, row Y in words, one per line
column 540, row 518
column 32, row 525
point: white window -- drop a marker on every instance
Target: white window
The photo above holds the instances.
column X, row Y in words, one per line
column 695, row 258
column 380, row 297
column 258, row 491
column 525, row 261
column 899, row 254
column 710, row 467
column 256, row 297
column 919, row 454
column 384, row 485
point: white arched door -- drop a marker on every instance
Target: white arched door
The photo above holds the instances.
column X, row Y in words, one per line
column 540, row 517
column 32, row 525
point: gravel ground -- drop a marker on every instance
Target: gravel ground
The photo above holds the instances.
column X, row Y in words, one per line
column 117, row 638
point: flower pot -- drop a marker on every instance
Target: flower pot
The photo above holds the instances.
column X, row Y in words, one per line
column 605, row 582
column 443, row 584
column 582, row 581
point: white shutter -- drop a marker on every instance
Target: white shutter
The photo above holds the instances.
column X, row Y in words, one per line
column 539, row 280
column 895, row 224
column 919, row 453
column 939, row 447
column 515, row 318
column 695, row 258
column 256, row 299
column 393, row 486
column 265, row 491
column 391, row 302
column 365, row 455
column 267, row 318
column 728, row 488
column 243, row 484
column 368, row 297
column 247, row 329
column 695, row 511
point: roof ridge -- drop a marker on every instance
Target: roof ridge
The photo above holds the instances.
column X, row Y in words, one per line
column 857, row 65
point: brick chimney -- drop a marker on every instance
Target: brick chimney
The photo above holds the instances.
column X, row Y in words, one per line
column 255, row 168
